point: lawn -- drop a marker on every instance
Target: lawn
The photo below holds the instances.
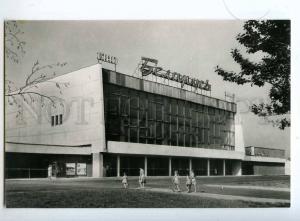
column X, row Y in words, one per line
column 107, row 193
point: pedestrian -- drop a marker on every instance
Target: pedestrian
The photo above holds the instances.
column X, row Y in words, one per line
column 125, row 181
column 194, row 181
column 49, row 171
column 55, row 170
column 188, row 183
column 215, row 171
column 142, row 178
column 176, row 182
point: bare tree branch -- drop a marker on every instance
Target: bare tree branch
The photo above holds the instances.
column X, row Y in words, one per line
column 14, row 48
column 32, row 92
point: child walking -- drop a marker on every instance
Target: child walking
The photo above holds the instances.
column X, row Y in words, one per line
column 194, row 181
column 124, row 180
column 50, row 172
column 142, row 178
column 176, row 183
column 188, row 183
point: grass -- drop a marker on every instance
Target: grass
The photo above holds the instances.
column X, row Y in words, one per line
column 107, row 193
column 118, row 198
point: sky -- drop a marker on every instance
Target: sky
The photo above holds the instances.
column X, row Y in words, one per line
column 192, row 48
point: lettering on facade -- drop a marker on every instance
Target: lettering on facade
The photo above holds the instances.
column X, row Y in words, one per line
column 102, row 57
column 149, row 66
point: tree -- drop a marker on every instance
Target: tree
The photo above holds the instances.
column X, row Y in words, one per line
column 13, row 42
column 271, row 40
column 28, row 93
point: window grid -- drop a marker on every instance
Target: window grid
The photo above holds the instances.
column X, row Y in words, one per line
column 141, row 117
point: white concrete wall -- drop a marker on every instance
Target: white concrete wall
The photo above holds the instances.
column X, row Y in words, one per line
column 264, row 159
column 83, row 114
column 239, row 136
column 41, row 149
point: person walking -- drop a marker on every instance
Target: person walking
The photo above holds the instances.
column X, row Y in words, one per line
column 50, row 172
column 193, row 180
column 125, row 181
column 176, row 182
column 142, row 178
column 188, row 183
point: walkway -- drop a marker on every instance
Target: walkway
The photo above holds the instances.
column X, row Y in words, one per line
column 250, row 187
column 219, row 196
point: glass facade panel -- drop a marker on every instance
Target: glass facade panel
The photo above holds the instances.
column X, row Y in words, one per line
column 109, row 165
column 200, row 167
column 181, row 165
column 159, row 112
column 124, row 105
column 131, row 165
column 158, row 166
column 216, row 167
column 133, row 135
column 142, row 117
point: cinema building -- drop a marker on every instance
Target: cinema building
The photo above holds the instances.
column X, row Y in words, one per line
column 107, row 123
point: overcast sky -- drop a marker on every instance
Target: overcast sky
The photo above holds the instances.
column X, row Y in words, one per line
column 189, row 47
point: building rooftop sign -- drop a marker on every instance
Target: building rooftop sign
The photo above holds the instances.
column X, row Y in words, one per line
column 149, row 66
column 102, row 57
column 106, row 58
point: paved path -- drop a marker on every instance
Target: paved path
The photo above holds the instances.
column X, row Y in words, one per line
column 220, row 196
column 250, row 187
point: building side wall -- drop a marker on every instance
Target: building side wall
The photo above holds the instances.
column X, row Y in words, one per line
column 265, row 152
column 268, row 169
column 260, row 151
column 81, row 108
column 264, row 159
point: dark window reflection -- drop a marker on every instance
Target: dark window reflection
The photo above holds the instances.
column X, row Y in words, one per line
column 140, row 117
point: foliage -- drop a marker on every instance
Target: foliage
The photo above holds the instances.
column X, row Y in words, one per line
column 271, row 40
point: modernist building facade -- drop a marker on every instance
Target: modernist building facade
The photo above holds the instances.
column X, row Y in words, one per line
column 106, row 123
